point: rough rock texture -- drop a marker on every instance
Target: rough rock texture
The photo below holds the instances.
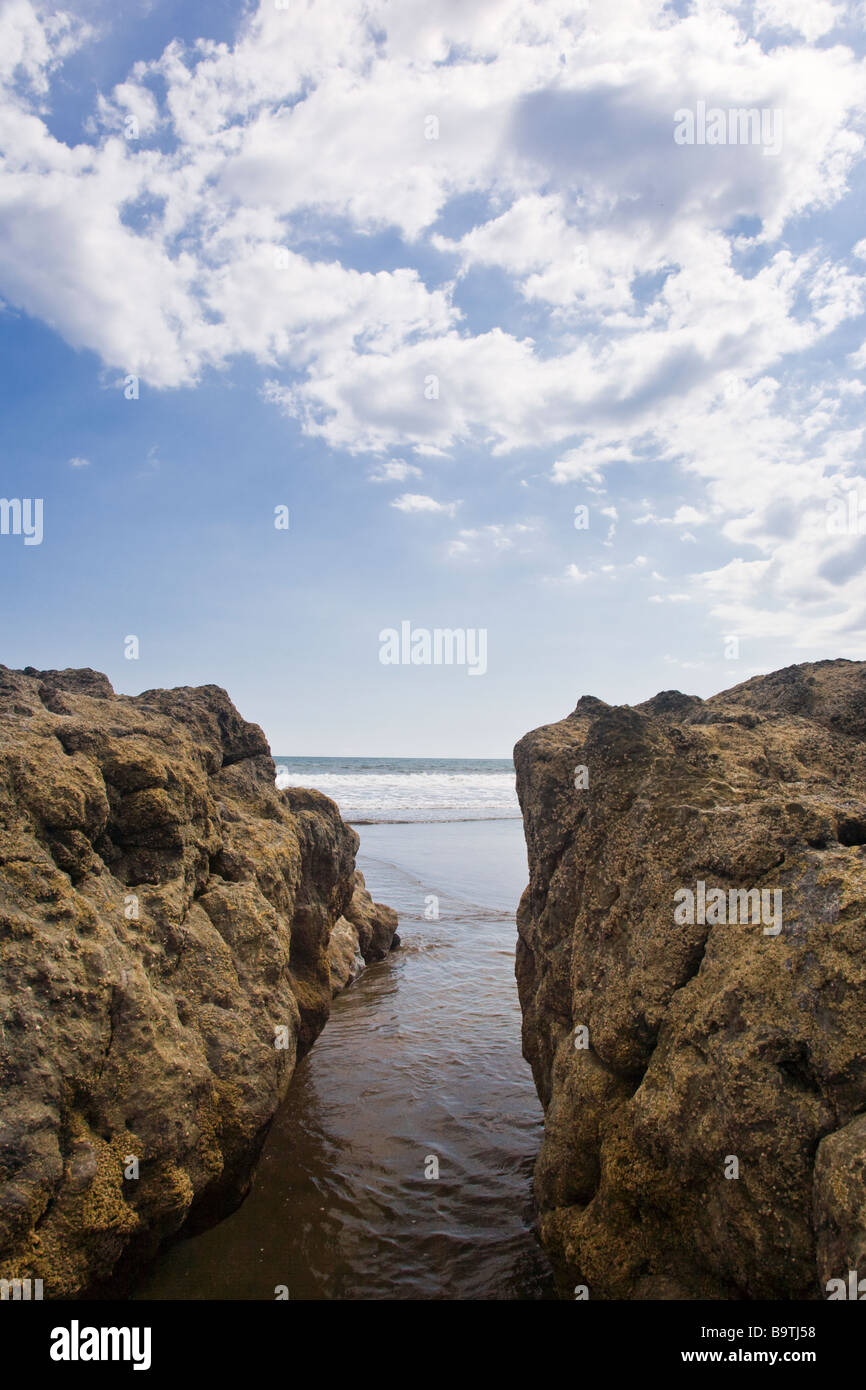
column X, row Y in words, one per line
column 165, row 915
column 344, row 956
column 375, row 924
column 366, row 934
column 706, row 1041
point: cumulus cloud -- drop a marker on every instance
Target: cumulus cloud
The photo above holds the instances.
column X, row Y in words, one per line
column 652, row 310
column 33, row 44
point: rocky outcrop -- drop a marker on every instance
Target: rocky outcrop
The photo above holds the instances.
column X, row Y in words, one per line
column 375, row 924
column 165, row 918
column 366, row 934
column 345, row 961
column 701, row 1061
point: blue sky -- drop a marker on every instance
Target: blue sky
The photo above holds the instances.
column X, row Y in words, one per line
column 243, row 207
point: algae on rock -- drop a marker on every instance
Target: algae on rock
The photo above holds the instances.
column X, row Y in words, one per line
column 165, row 917
column 707, row 1041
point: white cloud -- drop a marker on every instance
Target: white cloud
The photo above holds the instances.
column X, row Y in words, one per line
column 79, row 463
column 685, row 665
column 416, row 502
column 811, row 18
column 195, row 291
column 32, row 45
column 589, row 460
column 394, row 471
column 661, row 330
column 478, row 543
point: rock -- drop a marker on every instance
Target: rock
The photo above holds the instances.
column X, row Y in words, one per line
column 165, row 920
column 375, row 924
column 344, row 955
column 710, row 1047
column 366, row 934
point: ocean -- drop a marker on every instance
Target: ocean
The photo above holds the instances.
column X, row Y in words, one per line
column 400, row 1164
column 369, row 790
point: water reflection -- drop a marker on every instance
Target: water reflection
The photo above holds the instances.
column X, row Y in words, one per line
column 420, row 1060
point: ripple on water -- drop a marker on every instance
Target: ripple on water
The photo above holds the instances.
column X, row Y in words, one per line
column 421, row 1058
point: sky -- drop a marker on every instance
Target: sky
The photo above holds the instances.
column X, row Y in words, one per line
column 324, row 317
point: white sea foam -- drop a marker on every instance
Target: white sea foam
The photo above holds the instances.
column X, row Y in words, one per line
column 400, row 794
